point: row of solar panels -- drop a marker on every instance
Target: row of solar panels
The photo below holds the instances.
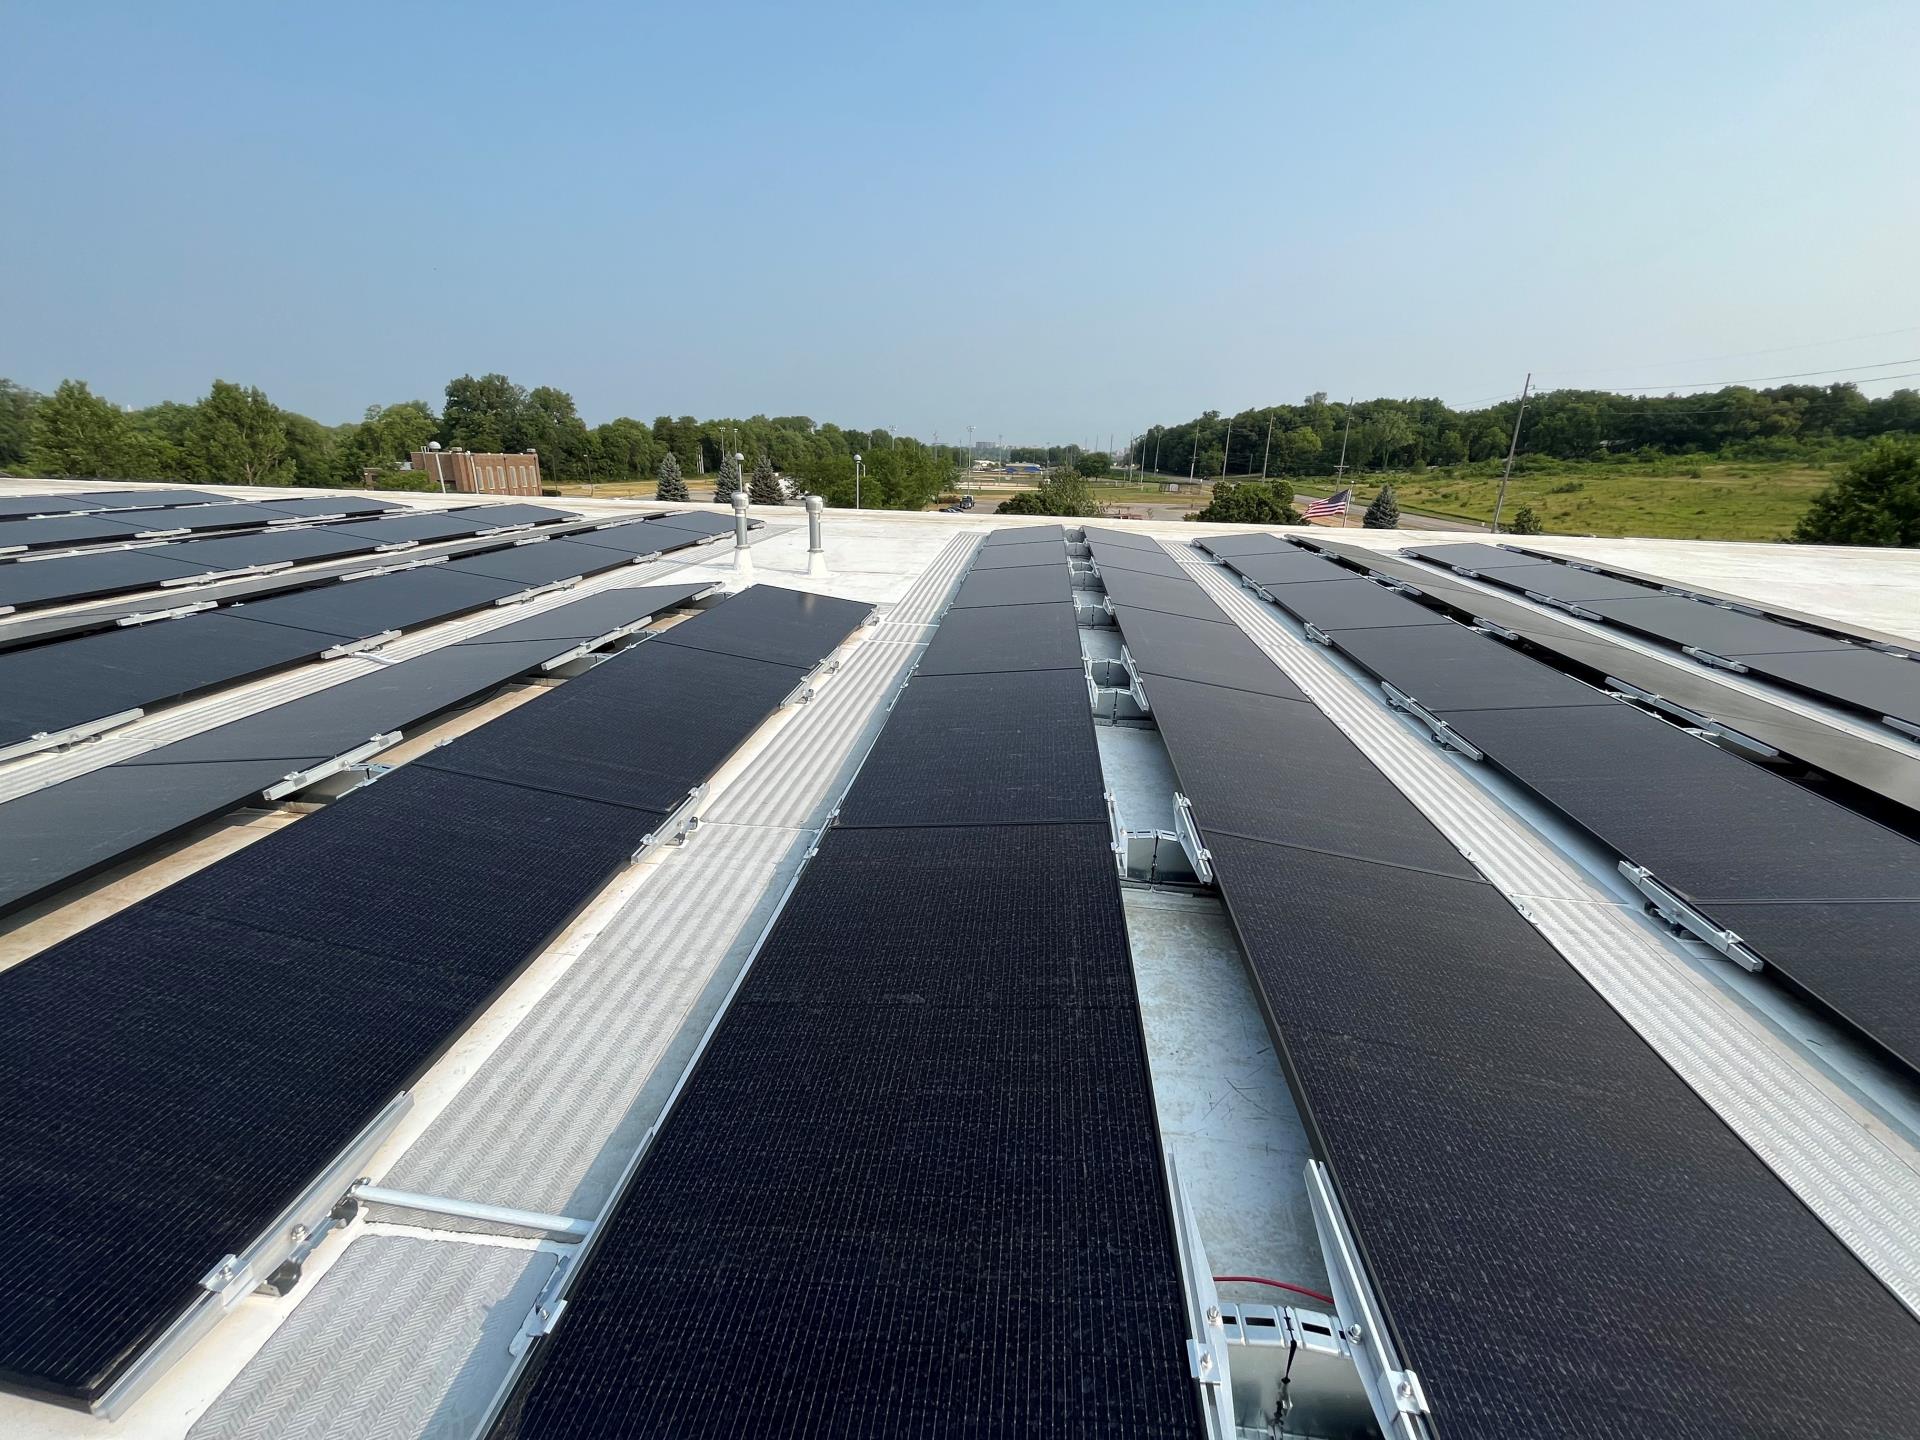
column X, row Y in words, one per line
column 89, row 575
column 54, row 692
column 118, row 527
column 913, row 1185
column 85, row 502
column 177, row 1080
column 1829, row 900
column 1527, row 1180
column 1817, row 662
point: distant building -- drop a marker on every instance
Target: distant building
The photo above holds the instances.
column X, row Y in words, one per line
column 468, row 472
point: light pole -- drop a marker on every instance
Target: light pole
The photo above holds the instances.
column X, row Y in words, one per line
column 739, row 474
column 856, row 479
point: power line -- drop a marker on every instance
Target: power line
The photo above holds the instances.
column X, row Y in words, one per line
column 1744, row 354
column 1762, row 379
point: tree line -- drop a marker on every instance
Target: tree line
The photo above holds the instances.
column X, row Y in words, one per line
column 236, row 435
column 1737, row 422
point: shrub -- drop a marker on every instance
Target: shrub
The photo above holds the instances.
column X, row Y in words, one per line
column 1250, row 502
column 1524, row 522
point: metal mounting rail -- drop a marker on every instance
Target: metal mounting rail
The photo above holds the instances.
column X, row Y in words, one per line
column 1694, row 718
column 1399, row 1403
column 1682, row 916
column 72, row 735
column 561, row 1227
column 147, row 617
column 1207, row 1359
column 314, row 774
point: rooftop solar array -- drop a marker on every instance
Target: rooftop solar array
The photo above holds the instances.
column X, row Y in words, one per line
column 173, row 1078
column 53, row 837
column 913, row 1184
column 1502, row 1141
column 91, row 679
column 1720, row 833
column 1821, row 664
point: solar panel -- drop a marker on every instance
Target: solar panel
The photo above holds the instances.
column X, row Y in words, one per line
column 302, row 545
column 591, row 616
column 418, row 529
column 1221, row 546
column 1681, row 621
column 491, row 516
column 66, row 530
column 1454, row 668
column 1869, row 680
column 978, row 641
column 983, row 749
column 540, row 563
column 1563, row 582
column 1144, row 562
column 1180, row 648
column 1029, row 585
column 356, row 609
column 788, row 627
column 648, row 539
column 1472, row 555
column 175, row 1076
column 81, row 503
column 1124, row 540
column 317, row 505
column 1156, row 592
column 1333, row 606
column 1014, row 557
column 1024, row 535
column 82, row 577
column 701, row 522
column 1287, row 567
column 152, row 499
column 22, row 507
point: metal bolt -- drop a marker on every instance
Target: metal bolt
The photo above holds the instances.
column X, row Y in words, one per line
column 298, row 1234
column 1356, row 1334
column 1213, row 1311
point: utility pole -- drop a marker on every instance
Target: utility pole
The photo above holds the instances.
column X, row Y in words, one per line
column 1195, row 458
column 1156, row 451
column 1227, row 451
column 1513, row 446
column 1267, row 454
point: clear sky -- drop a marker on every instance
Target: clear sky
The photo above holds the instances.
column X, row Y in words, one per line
column 1047, row 221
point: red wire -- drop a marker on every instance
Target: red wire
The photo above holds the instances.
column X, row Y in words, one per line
column 1276, row 1284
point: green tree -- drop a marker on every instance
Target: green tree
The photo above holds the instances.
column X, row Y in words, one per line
column 1065, row 492
column 1095, row 464
column 76, row 433
column 1876, row 500
column 487, row 414
column 673, row 485
column 764, row 488
column 1524, row 522
column 16, row 422
column 726, row 480
column 1384, row 512
column 240, row 438
column 1250, row 502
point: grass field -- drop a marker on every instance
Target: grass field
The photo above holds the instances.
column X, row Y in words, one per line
column 1708, row 500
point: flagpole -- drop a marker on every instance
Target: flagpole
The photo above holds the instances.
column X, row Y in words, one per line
column 1341, row 468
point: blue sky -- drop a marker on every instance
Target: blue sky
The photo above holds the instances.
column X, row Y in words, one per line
column 1047, row 221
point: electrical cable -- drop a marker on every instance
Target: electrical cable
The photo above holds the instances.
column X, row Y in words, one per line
column 1276, row 1284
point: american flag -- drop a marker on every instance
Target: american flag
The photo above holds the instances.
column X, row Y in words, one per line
column 1334, row 504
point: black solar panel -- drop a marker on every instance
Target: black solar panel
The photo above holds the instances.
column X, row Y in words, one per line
column 1281, row 771
column 701, row 522
column 303, row 545
column 1023, row 535
column 988, row 749
column 1156, row 592
column 1472, row 555
column 788, row 627
column 1199, row 650
column 1454, row 668
column 1014, row 557
column 52, row 687
column 317, row 505
column 1681, row 621
column 540, row 563
column 417, row 529
column 1124, row 540
column 493, row 516
column 1146, row 562
column 921, row 1141
column 1221, row 546
column 1336, row 605
column 1287, row 567
column 82, row 577
column 971, row 642
column 66, row 530
column 356, row 609
column 22, row 507
column 1564, row 582
column 152, row 499
column 1869, row 680
column 591, row 616
column 1496, row 1129
column 1029, row 585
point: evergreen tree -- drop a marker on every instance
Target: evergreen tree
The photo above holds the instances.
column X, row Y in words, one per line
column 1384, row 512
column 1525, row 522
column 1876, row 501
column 765, row 489
column 672, row 485
column 726, row 480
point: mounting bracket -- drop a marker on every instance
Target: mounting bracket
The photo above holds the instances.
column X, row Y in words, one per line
column 1443, row 733
column 1682, row 916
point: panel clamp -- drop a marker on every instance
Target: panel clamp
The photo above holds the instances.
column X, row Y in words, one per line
column 1717, row 662
column 1682, row 916
column 1318, row 636
column 1443, row 733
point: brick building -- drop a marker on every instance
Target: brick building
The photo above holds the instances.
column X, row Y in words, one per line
column 469, row 473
